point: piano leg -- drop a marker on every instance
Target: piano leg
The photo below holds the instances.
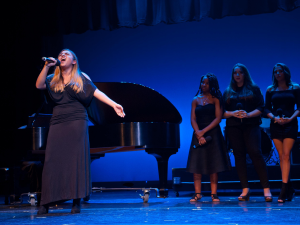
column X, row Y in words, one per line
column 162, row 156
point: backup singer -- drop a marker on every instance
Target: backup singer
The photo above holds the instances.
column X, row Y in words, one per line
column 244, row 104
column 211, row 156
column 281, row 98
column 66, row 173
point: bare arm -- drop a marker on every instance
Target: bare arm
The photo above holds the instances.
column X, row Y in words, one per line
column 228, row 114
column 103, row 98
column 41, row 80
column 218, row 114
column 193, row 115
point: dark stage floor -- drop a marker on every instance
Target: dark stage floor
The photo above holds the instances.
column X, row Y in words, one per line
column 126, row 207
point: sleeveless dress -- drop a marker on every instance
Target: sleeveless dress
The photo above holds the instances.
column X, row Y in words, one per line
column 66, row 173
column 211, row 157
column 285, row 100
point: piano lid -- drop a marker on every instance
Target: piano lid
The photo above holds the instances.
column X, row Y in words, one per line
column 140, row 103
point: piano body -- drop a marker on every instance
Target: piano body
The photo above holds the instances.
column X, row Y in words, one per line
column 151, row 124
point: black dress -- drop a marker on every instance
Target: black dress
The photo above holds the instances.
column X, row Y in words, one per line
column 211, row 157
column 285, row 100
column 66, row 173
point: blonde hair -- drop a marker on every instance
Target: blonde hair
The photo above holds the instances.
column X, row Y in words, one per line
column 76, row 82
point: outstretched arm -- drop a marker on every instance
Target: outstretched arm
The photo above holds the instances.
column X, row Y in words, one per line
column 103, row 98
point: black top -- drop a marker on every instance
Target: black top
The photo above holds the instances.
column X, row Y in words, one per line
column 70, row 105
column 250, row 103
column 285, row 100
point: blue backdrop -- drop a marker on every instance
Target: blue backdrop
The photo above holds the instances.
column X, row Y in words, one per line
column 171, row 60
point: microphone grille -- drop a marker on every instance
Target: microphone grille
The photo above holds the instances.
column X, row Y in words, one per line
column 239, row 105
column 208, row 138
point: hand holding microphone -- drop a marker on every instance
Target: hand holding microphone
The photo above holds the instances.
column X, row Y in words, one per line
column 279, row 112
column 239, row 106
column 51, row 61
column 207, row 139
column 281, row 121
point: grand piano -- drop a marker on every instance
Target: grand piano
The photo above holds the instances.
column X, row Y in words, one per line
column 151, row 124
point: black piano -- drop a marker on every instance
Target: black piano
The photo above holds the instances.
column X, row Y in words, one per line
column 151, row 124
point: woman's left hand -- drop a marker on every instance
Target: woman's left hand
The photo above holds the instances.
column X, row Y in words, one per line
column 244, row 114
column 284, row 120
column 119, row 110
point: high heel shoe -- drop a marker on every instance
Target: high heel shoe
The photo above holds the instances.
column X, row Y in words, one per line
column 268, row 198
column 195, row 197
column 215, row 198
column 76, row 206
column 282, row 196
column 290, row 193
column 244, row 197
column 43, row 209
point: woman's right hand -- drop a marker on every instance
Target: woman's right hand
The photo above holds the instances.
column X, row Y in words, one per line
column 49, row 64
column 202, row 141
column 277, row 119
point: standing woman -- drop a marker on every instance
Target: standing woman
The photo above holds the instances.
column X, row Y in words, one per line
column 244, row 104
column 66, row 173
column 281, row 98
column 211, row 156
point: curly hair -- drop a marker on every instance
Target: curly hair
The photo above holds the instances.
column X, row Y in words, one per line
column 214, row 88
column 287, row 75
column 248, row 86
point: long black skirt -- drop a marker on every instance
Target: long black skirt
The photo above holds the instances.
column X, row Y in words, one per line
column 66, row 173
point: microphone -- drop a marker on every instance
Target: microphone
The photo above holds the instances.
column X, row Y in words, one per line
column 279, row 112
column 207, row 139
column 50, row 60
column 239, row 106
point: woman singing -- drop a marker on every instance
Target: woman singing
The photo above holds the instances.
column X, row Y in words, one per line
column 244, row 104
column 210, row 157
column 66, row 173
column 281, row 98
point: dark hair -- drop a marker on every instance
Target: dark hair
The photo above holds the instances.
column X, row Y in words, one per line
column 214, row 88
column 247, row 91
column 287, row 76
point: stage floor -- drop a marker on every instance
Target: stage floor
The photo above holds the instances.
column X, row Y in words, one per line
column 126, row 207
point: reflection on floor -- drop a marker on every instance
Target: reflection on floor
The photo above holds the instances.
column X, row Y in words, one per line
column 126, row 207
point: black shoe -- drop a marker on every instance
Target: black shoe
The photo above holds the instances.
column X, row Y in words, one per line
column 244, row 197
column 195, row 197
column 43, row 209
column 291, row 192
column 215, row 198
column 283, row 193
column 76, row 205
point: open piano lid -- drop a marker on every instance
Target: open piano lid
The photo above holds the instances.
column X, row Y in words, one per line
column 140, row 103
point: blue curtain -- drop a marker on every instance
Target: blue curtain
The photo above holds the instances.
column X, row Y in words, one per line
column 77, row 16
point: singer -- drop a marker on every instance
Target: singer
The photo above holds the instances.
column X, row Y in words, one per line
column 242, row 127
column 281, row 98
column 66, row 173
column 211, row 157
